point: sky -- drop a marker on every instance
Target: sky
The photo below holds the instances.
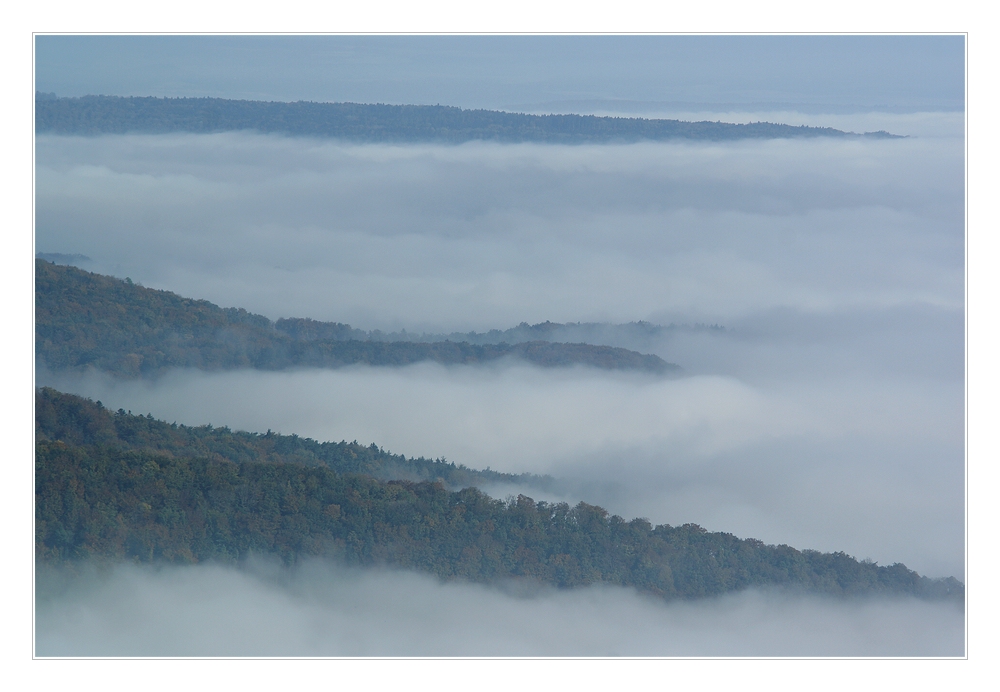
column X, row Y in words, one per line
column 829, row 413
column 842, row 73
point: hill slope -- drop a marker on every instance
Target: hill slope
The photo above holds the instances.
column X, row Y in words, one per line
column 99, row 498
column 76, row 421
column 89, row 320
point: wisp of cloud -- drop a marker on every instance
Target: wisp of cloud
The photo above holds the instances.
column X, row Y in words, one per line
column 321, row 609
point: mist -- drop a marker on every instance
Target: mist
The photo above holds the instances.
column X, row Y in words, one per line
column 828, row 414
column 320, row 609
column 481, row 236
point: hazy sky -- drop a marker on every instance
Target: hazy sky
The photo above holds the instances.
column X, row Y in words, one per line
column 829, row 73
column 828, row 415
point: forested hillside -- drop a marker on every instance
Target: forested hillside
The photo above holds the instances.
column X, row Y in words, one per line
column 118, row 490
column 77, row 421
column 90, row 115
column 89, row 320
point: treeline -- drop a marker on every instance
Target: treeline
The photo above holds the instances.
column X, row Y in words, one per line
column 88, row 320
column 600, row 333
column 98, row 499
column 91, row 115
column 76, row 421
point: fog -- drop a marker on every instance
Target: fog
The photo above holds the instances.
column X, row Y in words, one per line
column 482, row 236
column 319, row 609
column 828, row 414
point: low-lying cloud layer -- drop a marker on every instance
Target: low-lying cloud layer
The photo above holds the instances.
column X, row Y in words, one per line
column 829, row 414
column 482, row 236
column 319, row 609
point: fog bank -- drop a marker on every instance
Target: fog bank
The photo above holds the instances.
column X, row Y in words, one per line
column 482, row 236
column 828, row 415
column 319, row 609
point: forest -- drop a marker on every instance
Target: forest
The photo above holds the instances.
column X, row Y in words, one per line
column 78, row 421
column 117, row 486
column 92, row 115
column 85, row 320
column 601, row 333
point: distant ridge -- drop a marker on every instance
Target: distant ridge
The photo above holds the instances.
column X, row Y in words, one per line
column 92, row 115
column 636, row 336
